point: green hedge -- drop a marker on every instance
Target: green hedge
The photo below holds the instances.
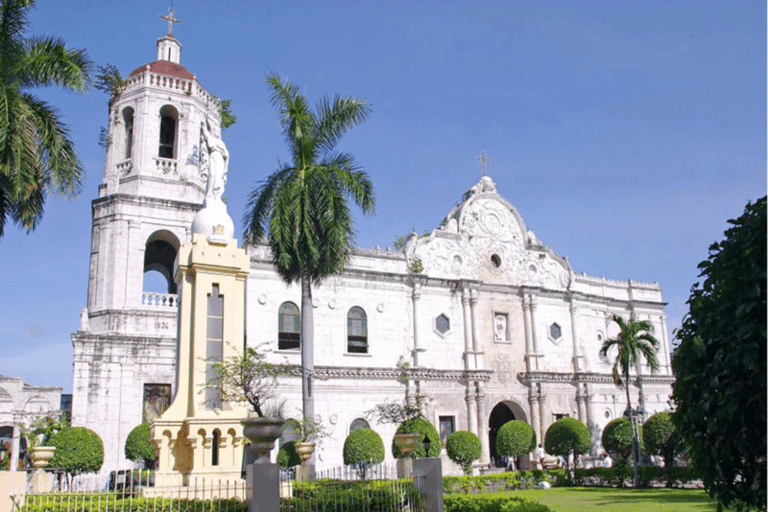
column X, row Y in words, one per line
column 622, row 474
column 508, row 481
column 485, row 503
column 373, row 496
column 98, row 503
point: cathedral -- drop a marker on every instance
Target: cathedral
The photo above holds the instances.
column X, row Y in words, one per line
column 478, row 319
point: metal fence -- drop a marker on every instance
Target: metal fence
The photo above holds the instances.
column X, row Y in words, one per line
column 372, row 488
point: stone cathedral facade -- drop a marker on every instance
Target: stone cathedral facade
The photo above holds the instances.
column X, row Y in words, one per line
column 479, row 319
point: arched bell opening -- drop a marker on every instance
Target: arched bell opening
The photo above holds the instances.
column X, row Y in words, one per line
column 159, row 257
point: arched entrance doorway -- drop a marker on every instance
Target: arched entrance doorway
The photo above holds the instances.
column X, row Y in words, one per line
column 503, row 412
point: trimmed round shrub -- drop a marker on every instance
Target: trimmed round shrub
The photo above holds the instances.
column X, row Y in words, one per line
column 78, row 450
column 660, row 438
column 567, row 435
column 363, row 446
column 423, row 428
column 139, row 447
column 515, row 438
column 463, row 448
column 617, row 438
column 287, row 456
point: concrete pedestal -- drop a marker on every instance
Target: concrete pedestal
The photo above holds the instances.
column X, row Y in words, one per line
column 404, row 467
column 305, row 473
column 428, row 477
column 263, row 487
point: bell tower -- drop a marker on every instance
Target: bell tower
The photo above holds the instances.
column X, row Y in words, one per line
column 153, row 186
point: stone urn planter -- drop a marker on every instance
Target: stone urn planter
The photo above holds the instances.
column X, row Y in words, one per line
column 406, row 443
column 304, row 450
column 262, row 433
column 42, row 455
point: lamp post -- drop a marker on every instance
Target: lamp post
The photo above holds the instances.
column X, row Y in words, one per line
column 427, row 443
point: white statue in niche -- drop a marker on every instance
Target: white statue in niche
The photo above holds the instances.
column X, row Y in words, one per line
column 217, row 163
column 500, row 327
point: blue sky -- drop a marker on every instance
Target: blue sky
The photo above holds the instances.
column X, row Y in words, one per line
column 625, row 133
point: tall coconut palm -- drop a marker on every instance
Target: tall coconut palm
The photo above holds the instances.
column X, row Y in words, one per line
column 302, row 206
column 635, row 339
column 36, row 155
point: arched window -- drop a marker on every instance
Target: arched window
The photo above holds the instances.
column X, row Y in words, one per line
column 128, row 122
column 357, row 424
column 215, row 448
column 168, row 121
column 357, row 331
column 288, row 327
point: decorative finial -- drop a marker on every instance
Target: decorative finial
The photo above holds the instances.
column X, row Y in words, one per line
column 484, row 161
column 170, row 19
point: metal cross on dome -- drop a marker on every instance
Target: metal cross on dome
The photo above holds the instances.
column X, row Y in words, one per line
column 170, row 19
column 484, row 161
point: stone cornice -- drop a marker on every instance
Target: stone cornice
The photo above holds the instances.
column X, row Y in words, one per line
column 596, row 378
column 432, row 374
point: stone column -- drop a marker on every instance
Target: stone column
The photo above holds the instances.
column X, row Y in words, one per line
column 581, row 403
column 482, row 424
column 577, row 357
column 467, row 315
column 15, row 441
column 533, row 401
column 416, row 295
column 665, row 345
column 471, row 408
column 533, row 334
column 473, row 309
column 542, row 405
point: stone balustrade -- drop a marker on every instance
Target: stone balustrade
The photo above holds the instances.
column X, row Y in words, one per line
column 165, row 165
column 160, row 300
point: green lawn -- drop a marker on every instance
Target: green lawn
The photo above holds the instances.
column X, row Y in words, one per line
column 578, row 499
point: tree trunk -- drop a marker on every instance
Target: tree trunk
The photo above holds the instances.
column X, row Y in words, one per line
column 635, row 450
column 307, row 349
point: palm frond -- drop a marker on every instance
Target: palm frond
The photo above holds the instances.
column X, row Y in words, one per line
column 337, row 117
column 63, row 172
column 13, row 25
column 49, row 62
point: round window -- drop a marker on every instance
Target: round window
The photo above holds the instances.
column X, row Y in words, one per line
column 496, row 260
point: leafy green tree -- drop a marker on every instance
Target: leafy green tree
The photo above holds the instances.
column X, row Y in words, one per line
column 617, row 439
column 514, row 439
column 37, row 156
column 139, row 447
column 287, row 456
column 463, row 448
column 635, row 339
column 660, row 438
column 363, row 447
column 720, row 366
column 78, row 450
column 566, row 436
column 302, row 206
column 423, row 427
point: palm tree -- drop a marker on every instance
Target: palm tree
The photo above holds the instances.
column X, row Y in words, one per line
column 36, row 155
column 635, row 338
column 302, row 206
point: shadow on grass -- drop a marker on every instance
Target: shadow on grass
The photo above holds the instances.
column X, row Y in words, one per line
column 651, row 495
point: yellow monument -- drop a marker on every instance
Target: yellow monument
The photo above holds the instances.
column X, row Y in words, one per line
column 199, row 437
